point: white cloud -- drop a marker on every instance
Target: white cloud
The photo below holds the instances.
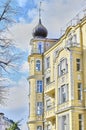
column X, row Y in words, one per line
column 22, row 2
column 55, row 15
column 32, row 13
column 18, row 95
column 25, row 67
column 24, row 127
column 58, row 14
column 21, row 34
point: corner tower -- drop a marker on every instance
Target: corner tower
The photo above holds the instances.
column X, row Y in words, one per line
column 39, row 44
column 36, row 77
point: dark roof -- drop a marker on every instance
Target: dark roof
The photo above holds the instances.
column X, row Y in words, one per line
column 40, row 30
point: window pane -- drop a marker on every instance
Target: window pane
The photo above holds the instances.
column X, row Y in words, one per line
column 48, row 62
column 79, row 91
column 39, row 86
column 39, row 108
column 80, row 122
column 78, row 67
column 48, row 103
column 62, row 67
column 48, row 80
column 48, row 127
column 39, row 127
column 63, row 94
column 38, row 65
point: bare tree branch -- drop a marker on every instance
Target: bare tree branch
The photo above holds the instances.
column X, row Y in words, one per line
column 7, row 56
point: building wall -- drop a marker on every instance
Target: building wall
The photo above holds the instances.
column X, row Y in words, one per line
column 63, row 72
column 73, row 106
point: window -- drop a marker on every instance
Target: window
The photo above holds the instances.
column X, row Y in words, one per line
column 78, row 64
column 48, row 127
column 63, row 94
column 39, row 108
column 63, row 89
column 40, row 47
column 63, row 122
column 48, row 80
column 72, row 41
column 64, row 119
column 62, row 67
column 80, row 122
column 39, row 127
column 38, row 67
column 79, row 91
column 39, row 86
column 48, row 103
column 47, row 62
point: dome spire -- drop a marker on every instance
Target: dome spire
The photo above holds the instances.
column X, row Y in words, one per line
column 40, row 30
column 40, row 12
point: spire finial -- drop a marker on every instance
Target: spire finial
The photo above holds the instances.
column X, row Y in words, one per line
column 40, row 12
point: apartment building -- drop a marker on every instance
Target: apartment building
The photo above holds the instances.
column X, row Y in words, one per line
column 57, row 79
column 5, row 123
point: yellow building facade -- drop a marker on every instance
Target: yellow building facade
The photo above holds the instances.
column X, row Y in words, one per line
column 57, row 79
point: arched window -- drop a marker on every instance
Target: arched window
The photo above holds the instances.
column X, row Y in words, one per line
column 38, row 65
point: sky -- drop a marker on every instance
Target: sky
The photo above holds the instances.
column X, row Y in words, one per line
column 55, row 15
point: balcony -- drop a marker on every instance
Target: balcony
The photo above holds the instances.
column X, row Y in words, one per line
column 50, row 114
column 64, row 106
column 50, row 88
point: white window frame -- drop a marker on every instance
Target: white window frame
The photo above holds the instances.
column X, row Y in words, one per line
column 48, row 104
column 48, row 127
column 79, row 91
column 78, row 64
column 47, row 82
column 48, row 62
column 42, row 47
column 81, row 122
column 62, row 67
column 39, row 86
column 38, row 65
column 39, row 127
column 39, row 108
column 63, row 91
column 62, row 123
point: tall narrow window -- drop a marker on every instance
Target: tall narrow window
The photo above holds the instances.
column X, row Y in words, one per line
column 48, row 103
column 39, row 127
column 64, row 120
column 39, row 86
column 47, row 80
column 80, row 122
column 40, row 47
column 48, row 62
column 63, row 90
column 48, row 127
column 79, row 91
column 78, row 64
column 39, row 108
column 63, row 94
column 62, row 67
column 38, row 67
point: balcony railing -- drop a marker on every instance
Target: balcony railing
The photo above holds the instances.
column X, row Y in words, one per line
column 50, row 88
column 50, row 113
